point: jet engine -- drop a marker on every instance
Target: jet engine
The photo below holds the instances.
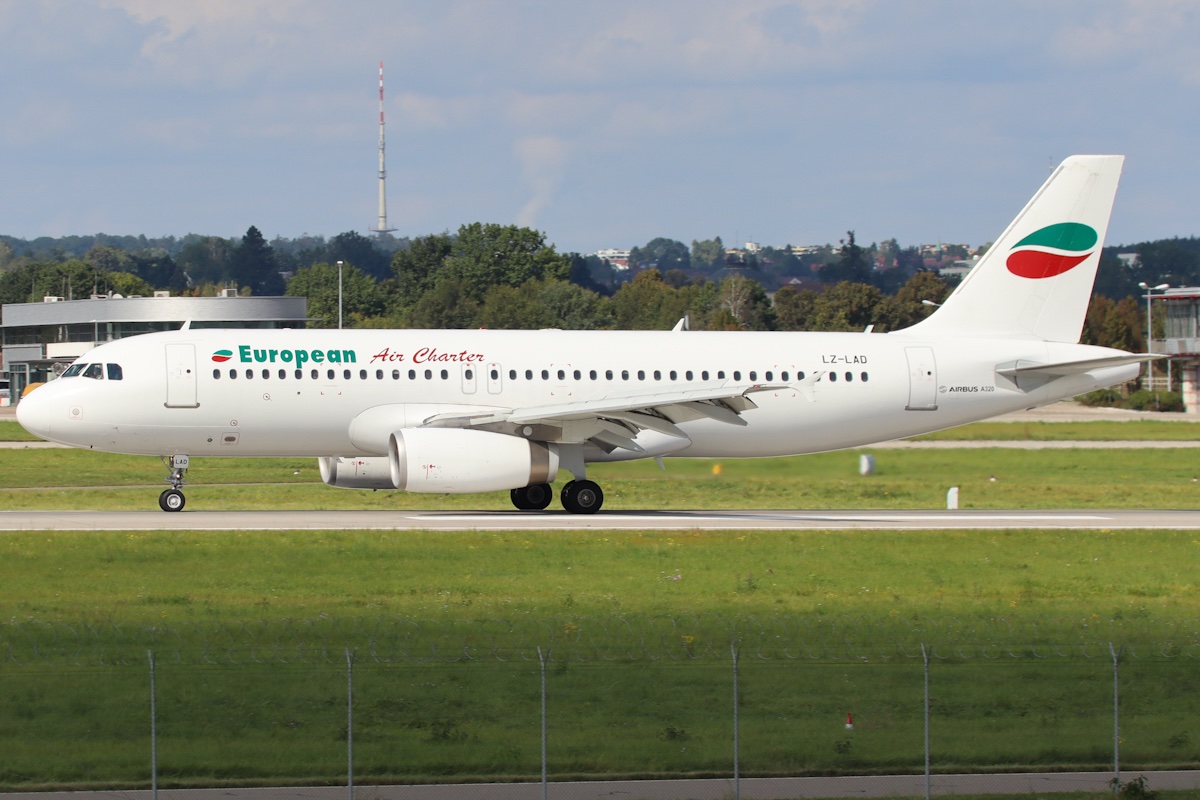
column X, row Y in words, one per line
column 458, row 461
column 374, row 472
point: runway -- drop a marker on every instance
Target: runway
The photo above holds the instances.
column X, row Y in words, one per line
column 778, row 520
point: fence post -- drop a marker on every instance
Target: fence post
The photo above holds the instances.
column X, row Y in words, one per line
column 1116, row 659
column 350, row 723
column 153, row 729
column 737, row 773
column 542, row 662
column 928, row 779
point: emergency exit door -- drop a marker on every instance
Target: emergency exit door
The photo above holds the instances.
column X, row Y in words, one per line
column 922, row 379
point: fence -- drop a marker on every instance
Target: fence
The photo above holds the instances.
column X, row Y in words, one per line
column 395, row 701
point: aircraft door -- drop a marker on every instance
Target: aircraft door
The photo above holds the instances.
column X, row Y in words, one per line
column 181, row 376
column 470, row 378
column 922, row 379
column 494, row 378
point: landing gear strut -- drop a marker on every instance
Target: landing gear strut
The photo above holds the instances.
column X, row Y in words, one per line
column 172, row 499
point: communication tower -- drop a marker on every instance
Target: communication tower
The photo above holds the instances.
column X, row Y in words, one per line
column 382, row 225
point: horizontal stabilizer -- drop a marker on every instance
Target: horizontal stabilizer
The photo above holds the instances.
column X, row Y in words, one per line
column 1022, row 368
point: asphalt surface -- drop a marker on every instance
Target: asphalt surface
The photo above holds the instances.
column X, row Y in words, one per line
column 780, row 520
column 692, row 789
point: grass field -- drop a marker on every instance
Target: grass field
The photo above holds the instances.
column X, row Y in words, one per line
column 250, row 630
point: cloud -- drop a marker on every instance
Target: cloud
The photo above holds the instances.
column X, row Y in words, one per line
column 543, row 164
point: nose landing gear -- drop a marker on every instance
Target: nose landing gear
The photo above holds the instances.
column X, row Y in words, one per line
column 172, row 499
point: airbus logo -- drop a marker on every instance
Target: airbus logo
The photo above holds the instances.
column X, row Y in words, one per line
column 1052, row 250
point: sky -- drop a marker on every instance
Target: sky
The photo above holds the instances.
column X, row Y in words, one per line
column 601, row 124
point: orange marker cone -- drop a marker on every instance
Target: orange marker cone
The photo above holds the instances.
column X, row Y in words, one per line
column 849, row 722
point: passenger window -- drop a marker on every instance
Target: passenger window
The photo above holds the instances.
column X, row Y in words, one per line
column 832, row 376
column 329, row 374
column 849, row 376
column 578, row 375
column 562, row 376
column 282, row 374
column 249, row 374
column 395, row 374
column 673, row 375
column 641, row 374
column 300, row 374
column 592, row 374
column 512, row 374
column 412, row 374
column 93, row 371
column 114, row 372
column 720, row 374
column 495, row 374
column 217, row 374
column 608, row 374
column 783, row 376
column 753, row 375
column 233, row 374
column 345, row 374
column 864, row 377
column 704, row 375
column 799, row 375
column 688, row 375
column 470, row 374
column 737, row 374
column 428, row 374
column 362, row 374
column 445, row 375
column 315, row 374
column 378, row 374
column 545, row 374
column 657, row 375
column 266, row 374
column 624, row 374
column 769, row 376
column 528, row 374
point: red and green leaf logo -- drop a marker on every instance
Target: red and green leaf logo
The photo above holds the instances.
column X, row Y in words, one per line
column 1052, row 250
column 222, row 356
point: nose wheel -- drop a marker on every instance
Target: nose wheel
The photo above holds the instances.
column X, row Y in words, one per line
column 172, row 499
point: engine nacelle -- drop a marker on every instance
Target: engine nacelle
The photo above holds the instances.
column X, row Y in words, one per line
column 458, row 461
column 357, row 473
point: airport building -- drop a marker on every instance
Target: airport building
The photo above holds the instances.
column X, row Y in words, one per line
column 1181, row 340
column 39, row 340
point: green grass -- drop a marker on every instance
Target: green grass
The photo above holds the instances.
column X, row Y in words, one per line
column 990, row 478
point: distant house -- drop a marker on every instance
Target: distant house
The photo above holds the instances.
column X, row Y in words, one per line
column 617, row 259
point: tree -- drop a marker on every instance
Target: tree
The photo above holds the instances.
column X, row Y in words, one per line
column 482, row 256
column 647, row 303
column 206, row 259
column 906, row 308
column 354, row 248
column 794, row 308
column 662, row 254
column 361, row 296
column 746, row 303
column 852, row 264
column 708, row 254
column 846, row 306
column 254, row 265
column 416, row 268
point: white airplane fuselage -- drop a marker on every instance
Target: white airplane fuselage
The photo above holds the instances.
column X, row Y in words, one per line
column 828, row 390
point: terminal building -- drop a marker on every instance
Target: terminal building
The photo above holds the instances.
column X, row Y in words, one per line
column 40, row 340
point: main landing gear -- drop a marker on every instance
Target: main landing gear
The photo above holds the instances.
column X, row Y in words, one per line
column 577, row 497
column 172, row 499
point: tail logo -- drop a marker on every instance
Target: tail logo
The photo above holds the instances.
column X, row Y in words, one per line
column 222, row 356
column 1052, row 250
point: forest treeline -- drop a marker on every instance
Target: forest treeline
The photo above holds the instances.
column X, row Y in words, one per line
column 498, row 276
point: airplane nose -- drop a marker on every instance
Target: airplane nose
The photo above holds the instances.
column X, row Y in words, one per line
column 34, row 415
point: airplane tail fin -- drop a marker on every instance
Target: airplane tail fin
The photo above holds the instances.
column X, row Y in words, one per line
column 1036, row 280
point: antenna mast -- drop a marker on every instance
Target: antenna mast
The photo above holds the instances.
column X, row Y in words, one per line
column 382, row 226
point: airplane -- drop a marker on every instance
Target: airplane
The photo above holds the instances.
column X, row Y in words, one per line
column 461, row 411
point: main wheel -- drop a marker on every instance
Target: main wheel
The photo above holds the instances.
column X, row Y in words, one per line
column 582, row 497
column 171, row 500
column 532, row 498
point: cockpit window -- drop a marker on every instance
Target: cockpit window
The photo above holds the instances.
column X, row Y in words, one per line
column 73, row 370
column 114, row 372
column 94, row 371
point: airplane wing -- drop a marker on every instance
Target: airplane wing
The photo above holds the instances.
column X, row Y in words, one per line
column 613, row 423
